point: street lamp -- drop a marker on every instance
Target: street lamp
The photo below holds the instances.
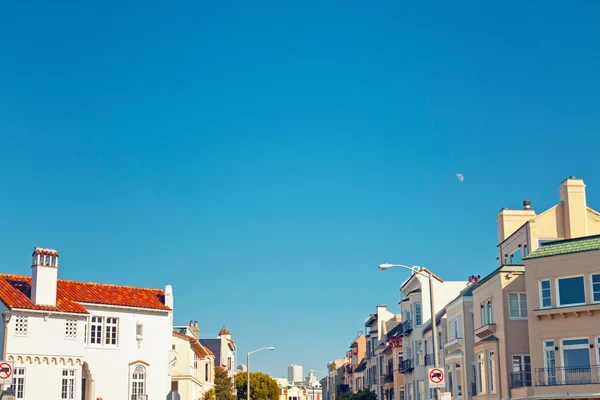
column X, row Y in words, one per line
column 313, row 385
column 248, row 367
column 429, row 276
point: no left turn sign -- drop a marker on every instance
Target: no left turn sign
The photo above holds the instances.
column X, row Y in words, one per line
column 436, row 378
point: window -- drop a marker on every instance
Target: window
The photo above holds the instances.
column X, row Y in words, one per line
column 71, row 329
column 545, row 294
column 68, row 384
column 517, row 305
column 576, row 353
column 19, row 383
column 479, row 373
column 418, row 314
column 550, row 362
column 111, row 332
column 21, row 326
column 174, row 386
column 138, row 382
column 571, row 291
column 521, row 366
column 487, row 315
column 455, row 328
column 206, row 373
column 450, row 383
column 419, row 350
column 596, row 289
column 229, row 364
column 103, row 331
column 458, row 378
column 491, row 372
column 515, row 257
column 195, row 361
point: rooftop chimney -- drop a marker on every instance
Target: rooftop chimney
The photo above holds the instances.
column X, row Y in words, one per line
column 44, row 275
column 195, row 329
column 572, row 197
column 169, row 296
column 526, row 205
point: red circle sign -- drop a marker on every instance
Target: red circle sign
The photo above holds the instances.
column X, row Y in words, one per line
column 5, row 370
column 436, row 375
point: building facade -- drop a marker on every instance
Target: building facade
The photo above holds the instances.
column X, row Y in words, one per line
column 563, row 308
column 83, row 341
column 224, row 350
column 193, row 372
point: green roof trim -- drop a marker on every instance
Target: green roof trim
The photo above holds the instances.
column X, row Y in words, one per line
column 512, row 268
column 567, row 246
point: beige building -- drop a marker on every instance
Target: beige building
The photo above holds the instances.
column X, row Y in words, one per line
column 357, row 355
column 194, row 365
column 459, row 343
column 563, row 284
column 394, row 339
column 520, row 232
column 500, row 316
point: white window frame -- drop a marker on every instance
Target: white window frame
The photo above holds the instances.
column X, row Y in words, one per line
column 558, row 291
column 480, row 371
column 491, row 373
column 597, row 346
column 137, row 369
column 19, row 382
column 592, row 292
column 487, row 311
column 68, row 375
column 103, row 331
column 520, row 310
column 420, row 313
column 550, row 379
column 541, row 297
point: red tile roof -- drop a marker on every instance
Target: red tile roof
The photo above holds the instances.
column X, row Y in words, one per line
column 15, row 292
column 199, row 349
column 48, row 252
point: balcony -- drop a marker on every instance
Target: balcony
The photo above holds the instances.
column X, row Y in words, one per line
column 454, row 344
column 400, row 365
column 429, row 359
column 407, row 365
column 520, row 379
column 485, row 331
column 567, row 376
column 407, row 327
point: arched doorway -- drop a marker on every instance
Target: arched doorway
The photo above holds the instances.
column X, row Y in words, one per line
column 86, row 382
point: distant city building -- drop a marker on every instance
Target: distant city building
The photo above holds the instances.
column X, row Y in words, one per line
column 295, row 374
column 242, row 367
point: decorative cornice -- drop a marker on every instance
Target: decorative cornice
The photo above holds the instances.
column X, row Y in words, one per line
column 45, row 360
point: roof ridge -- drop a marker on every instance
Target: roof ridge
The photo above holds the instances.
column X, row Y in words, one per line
column 87, row 283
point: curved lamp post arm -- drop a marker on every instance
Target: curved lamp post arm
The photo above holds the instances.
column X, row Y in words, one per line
column 248, row 367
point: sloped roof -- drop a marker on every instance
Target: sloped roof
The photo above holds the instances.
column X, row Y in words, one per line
column 15, row 292
column 199, row 350
column 502, row 268
column 567, row 246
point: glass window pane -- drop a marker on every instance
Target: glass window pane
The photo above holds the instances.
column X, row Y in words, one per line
column 571, row 290
column 575, row 342
column 576, row 358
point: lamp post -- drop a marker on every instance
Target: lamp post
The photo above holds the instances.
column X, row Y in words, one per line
column 248, row 368
column 6, row 315
column 429, row 276
column 313, row 385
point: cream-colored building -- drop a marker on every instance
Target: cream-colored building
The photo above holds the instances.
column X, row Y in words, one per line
column 427, row 358
column 459, row 342
column 521, row 232
column 500, row 316
column 563, row 304
column 193, row 366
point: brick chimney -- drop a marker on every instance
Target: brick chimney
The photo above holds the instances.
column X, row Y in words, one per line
column 44, row 276
column 474, row 279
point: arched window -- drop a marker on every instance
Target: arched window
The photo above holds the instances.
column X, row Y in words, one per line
column 138, row 383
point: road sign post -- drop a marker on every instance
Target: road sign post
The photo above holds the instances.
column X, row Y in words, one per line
column 446, row 396
column 437, row 378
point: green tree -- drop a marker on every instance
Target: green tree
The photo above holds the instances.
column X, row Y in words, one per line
column 209, row 395
column 223, row 384
column 262, row 386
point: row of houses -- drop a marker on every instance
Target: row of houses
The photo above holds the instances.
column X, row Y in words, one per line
column 530, row 329
column 73, row 340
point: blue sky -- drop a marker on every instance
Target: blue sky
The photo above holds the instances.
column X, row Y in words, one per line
column 264, row 157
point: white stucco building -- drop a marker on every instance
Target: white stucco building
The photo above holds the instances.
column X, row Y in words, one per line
column 224, row 350
column 84, row 341
column 193, row 371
